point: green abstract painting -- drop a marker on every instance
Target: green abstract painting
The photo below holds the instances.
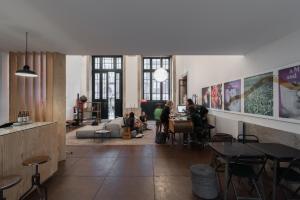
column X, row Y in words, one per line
column 258, row 92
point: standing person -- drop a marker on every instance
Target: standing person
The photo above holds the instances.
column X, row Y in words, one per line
column 190, row 110
column 164, row 118
column 157, row 113
column 189, row 104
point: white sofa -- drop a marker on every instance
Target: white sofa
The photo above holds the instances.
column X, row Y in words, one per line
column 115, row 126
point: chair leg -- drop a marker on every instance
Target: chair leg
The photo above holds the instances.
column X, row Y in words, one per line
column 257, row 190
column 45, row 192
column 40, row 193
column 296, row 192
column 26, row 193
column 234, row 190
column 1, row 195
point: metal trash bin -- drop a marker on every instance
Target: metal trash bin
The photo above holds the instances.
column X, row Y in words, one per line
column 204, row 181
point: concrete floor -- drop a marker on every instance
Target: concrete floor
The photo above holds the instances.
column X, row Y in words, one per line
column 144, row 172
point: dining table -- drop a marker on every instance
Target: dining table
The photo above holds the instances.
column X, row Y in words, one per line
column 229, row 151
column 277, row 153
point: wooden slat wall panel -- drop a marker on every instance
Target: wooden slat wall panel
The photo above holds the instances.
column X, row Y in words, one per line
column 49, row 86
column 44, row 96
column 59, row 100
column 35, row 94
column 1, row 158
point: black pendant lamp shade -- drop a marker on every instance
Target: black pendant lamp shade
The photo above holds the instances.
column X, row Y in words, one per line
column 25, row 71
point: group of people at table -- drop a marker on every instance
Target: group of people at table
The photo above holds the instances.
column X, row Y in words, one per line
column 195, row 113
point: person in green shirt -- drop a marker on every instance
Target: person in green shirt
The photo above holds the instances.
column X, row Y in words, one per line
column 157, row 113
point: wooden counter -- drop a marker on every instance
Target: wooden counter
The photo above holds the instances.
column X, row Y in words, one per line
column 20, row 143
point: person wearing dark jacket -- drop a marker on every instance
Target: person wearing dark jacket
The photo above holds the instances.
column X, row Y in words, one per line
column 164, row 117
column 189, row 105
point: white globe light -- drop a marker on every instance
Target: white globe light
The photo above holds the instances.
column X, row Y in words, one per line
column 160, row 75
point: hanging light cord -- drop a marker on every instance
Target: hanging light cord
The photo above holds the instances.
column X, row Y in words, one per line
column 26, row 50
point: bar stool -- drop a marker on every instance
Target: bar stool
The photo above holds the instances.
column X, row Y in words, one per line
column 35, row 180
column 7, row 182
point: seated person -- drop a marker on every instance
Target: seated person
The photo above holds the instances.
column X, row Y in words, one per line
column 134, row 124
column 165, row 115
column 199, row 119
column 143, row 119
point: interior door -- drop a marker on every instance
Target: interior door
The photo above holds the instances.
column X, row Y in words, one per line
column 107, row 85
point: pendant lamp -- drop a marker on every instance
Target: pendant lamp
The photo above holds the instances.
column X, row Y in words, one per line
column 25, row 71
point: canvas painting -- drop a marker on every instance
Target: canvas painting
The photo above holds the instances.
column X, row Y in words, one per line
column 289, row 92
column 206, row 97
column 216, row 96
column 232, row 96
column 258, row 91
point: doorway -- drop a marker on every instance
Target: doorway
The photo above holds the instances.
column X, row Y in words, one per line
column 182, row 90
column 107, row 85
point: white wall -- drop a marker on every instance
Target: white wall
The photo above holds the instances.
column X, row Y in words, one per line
column 4, row 88
column 131, row 73
column 76, row 81
column 208, row 70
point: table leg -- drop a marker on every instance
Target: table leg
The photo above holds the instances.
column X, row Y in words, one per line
column 275, row 166
column 226, row 179
column 172, row 138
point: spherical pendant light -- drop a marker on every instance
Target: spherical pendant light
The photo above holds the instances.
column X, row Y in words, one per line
column 160, row 75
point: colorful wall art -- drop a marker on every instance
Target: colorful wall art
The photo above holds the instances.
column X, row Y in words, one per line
column 206, row 97
column 232, row 96
column 289, row 92
column 216, row 96
column 258, row 92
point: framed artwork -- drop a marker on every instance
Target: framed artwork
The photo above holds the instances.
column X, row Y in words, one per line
column 232, row 96
column 258, row 92
column 289, row 92
column 206, row 97
column 216, row 96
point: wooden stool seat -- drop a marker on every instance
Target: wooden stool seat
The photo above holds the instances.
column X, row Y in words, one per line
column 9, row 181
column 36, row 160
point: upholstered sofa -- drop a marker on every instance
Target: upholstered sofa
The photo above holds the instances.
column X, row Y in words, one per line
column 115, row 126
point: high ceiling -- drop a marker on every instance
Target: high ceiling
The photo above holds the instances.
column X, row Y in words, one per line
column 148, row 27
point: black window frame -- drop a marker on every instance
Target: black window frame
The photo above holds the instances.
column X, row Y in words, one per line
column 151, row 70
column 101, row 71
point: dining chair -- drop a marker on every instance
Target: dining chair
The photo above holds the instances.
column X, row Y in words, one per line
column 244, row 138
column 250, row 169
column 222, row 137
column 290, row 175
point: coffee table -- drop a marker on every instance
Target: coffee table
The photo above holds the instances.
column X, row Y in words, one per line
column 102, row 133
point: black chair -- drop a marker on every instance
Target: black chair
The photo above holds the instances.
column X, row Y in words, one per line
column 247, row 138
column 7, row 182
column 290, row 175
column 217, row 161
column 35, row 179
column 222, row 137
column 247, row 168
